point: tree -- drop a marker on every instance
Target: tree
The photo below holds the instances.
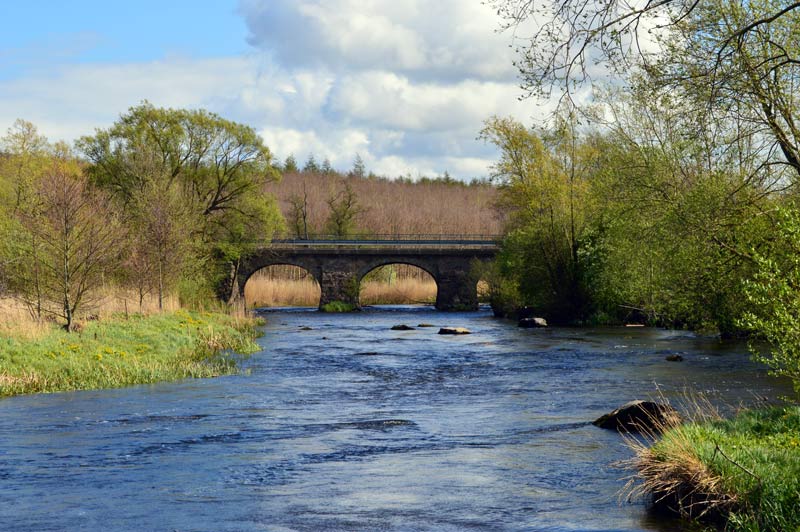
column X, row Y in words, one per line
column 298, row 214
column 311, row 166
column 290, row 165
column 774, row 298
column 544, row 188
column 214, row 169
column 344, row 211
column 26, row 158
column 734, row 60
column 77, row 239
column 359, row 168
column 327, row 169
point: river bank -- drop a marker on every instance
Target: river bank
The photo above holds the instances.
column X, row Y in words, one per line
column 125, row 350
column 739, row 473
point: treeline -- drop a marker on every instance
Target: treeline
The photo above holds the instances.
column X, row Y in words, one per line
column 315, row 202
column 164, row 201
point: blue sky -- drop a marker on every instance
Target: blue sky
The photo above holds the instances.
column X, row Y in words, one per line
column 406, row 84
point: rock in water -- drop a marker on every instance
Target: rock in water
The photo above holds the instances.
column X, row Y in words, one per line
column 638, row 416
column 454, row 330
column 425, row 325
column 674, row 358
column 532, row 323
column 402, row 327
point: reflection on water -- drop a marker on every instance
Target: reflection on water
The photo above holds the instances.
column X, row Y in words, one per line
column 353, row 426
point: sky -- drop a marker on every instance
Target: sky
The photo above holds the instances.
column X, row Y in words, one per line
column 405, row 84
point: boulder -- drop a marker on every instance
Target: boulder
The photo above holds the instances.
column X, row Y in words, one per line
column 402, row 327
column 532, row 323
column 674, row 358
column 454, row 330
column 638, row 416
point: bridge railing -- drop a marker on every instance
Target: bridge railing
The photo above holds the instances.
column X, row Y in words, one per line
column 394, row 238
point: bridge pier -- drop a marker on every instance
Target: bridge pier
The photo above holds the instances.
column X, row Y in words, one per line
column 457, row 290
column 339, row 284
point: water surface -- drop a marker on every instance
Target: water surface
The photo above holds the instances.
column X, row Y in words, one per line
column 353, row 426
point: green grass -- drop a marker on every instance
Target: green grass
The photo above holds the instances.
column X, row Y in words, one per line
column 125, row 351
column 749, row 464
column 338, row 306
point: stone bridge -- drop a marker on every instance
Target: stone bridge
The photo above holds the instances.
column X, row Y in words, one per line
column 339, row 265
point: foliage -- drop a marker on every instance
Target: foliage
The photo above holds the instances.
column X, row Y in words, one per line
column 338, row 306
column 124, row 351
column 190, row 183
column 774, row 297
column 544, row 182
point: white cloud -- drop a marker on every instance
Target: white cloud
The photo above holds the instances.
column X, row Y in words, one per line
column 446, row 39
column 406, row 84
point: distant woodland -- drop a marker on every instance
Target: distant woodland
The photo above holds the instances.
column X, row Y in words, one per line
column 315, row 201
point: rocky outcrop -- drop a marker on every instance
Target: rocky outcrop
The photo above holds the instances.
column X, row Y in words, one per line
column 454, row 330
column 532, row 323
column 640, row 416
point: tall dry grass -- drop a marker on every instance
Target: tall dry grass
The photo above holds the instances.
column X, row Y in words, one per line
column 18, row 321
column 397, row 284
column 399, row 292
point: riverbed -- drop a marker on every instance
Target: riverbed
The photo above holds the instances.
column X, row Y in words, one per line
column 341, row 423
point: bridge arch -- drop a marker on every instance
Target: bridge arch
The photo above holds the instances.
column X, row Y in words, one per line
column 281, row 284
column 417, row 289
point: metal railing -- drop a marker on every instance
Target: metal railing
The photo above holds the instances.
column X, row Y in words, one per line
column 395, row 238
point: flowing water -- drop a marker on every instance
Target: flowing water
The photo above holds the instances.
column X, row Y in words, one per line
column 353, row 426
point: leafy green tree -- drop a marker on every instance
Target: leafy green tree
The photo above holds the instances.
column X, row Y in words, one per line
column 774, row 298
column 359, row 168
column 213, row 168
column 311, row 166
column 544, row 190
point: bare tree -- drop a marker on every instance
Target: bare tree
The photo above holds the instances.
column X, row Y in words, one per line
column 735, row 62
column 78, row 238
column 298, row 213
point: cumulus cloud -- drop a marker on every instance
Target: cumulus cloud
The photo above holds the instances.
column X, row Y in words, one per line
column 405, row 84
column 446, row 39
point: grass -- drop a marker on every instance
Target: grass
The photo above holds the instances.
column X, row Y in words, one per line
column 121, row 351
column 337, row 306
column 742, row 474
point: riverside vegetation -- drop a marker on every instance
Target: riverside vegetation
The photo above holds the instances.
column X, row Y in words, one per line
column 669, row 196
column 124, row 350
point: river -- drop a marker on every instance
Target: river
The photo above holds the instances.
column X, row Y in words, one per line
column 353, row 426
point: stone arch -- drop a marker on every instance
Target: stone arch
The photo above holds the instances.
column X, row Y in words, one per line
column 374, row 265
column 247, row 276
column 430, row 269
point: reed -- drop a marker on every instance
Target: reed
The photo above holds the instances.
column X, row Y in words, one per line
column 397, row 284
